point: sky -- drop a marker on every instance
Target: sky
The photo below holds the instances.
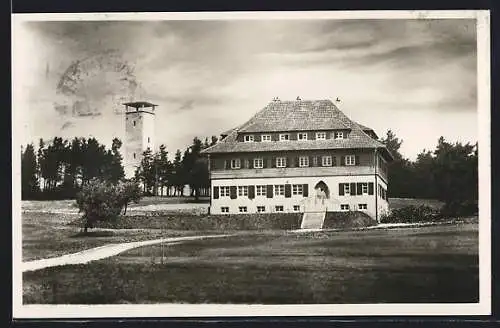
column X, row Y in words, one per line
column 415, row 77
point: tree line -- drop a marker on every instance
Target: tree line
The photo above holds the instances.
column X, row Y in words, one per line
column 448, row 173
column 59, row 168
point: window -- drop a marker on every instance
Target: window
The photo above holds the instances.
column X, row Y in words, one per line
column 261, row 209
column 242, row 209
column 320, row 135
column 224, row 209
column 279, row 190
column 362, row 207
column 344, row 207
column 284, row 137
column 134, row 123
column 364, row 188
column 350, row 160
column 297, row 189
column 326, row 160
column 302, row 136
column 278, row 208
column 258, row 163
column 303, row 161
column 266, row 137
column 339, row 135
column 134, row 155
column 248, row 138
column 224, row 191
column 260, row 190
column 281, row 162
column 242, row 191
column 347, row 189
column 235, row 163
column 296, row 208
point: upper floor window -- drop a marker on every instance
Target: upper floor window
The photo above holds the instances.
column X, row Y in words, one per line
column 260, row 190
column 302, row 136
column 235, row 163
column 364, row 188
column 320, row 135
column 297, row 189
column 303, row 161
column 224, row 191
column 339, row 135
column 266, row 137
column 279, row 190
column 242, row 191
column 258, row 163
column 248, row 138
column 326, row 161
column 281, row 162
column 284, row 137
column 350, row 160
column 347, row 189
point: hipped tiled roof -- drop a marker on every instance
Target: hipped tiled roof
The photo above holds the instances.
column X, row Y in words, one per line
column 300, row 115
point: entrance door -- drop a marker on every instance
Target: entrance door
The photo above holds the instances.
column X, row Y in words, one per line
column 322, row 192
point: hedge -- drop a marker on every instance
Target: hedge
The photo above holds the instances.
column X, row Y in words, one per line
column 348, row 220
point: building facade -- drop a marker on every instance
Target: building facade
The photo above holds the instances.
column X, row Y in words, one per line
column 139, row 133
column 299, row 156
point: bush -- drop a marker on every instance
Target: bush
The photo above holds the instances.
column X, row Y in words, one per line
column 101, row 201
column 348, row 220
column 411, row 214
column 459, row 209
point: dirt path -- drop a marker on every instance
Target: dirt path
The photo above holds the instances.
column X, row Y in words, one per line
column 102, row 252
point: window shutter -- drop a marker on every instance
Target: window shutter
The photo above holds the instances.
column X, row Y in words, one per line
column 269, row 191
column 251, row 192
column 216, row 193
column 264, row 162
column 226, row 164
column 270, row 162
column 313, row 161
column 305, row 190
column 288, row 190
column 296, row 162
column 232, row 192
column 273, row 162
column 341, row 189
column 250, row 163
column 370, row 188
column 359, row 188
column 357, row 160
column 342, row 160
column 353, row 189
column 334, row 161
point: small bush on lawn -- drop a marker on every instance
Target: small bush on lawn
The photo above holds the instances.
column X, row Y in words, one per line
column 411, row 214
column 102, row 201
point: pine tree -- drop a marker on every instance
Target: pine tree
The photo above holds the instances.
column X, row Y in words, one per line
column 29, row 180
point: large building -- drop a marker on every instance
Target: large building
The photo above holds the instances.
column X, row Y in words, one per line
column 139, row 133
column 299, row 156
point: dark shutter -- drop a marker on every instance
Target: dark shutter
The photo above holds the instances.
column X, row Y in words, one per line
column 342, row 160
column 216, row 193
column 288, row 190
column 296, row 162
column 251, row 192
column 269, row 191
column 359, row 188
column 232, row 192
column 370, row 188
column 353, row 189
column 264, row 162
column 226, row 164
column 313, row 161
column 334, row 161
column 341, row 189
column 250, row 163
column 357, row 160
column 270, row 162
column 305, row 190
column 273, row 162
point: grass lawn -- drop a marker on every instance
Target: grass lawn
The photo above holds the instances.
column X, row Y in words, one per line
column 427, row 264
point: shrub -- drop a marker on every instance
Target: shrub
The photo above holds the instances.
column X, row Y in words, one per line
column 101, row 201
column 348, row 220
column 411, row 214
column 458, row 209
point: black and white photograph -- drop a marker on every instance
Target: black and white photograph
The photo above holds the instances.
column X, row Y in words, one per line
column 251, row 164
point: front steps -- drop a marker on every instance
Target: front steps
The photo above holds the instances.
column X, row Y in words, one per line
column 313, row 220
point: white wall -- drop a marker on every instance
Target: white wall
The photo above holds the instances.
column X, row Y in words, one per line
column 136, row 139
column 333, row 204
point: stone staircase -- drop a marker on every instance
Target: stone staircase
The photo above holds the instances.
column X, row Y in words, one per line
column 313, row 220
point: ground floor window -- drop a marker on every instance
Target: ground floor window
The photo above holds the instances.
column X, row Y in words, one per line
column 344, row 207
column 279, row 208
column 242, row 209
column 296, row 208
column 224, row 209
column 362, row 206
column 261, row 209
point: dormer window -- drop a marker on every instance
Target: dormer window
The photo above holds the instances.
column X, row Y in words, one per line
column 266, row 137
column 339, row 135
column 248, row 138
column 320, row 135
column 302, row 136
column 284, row 137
